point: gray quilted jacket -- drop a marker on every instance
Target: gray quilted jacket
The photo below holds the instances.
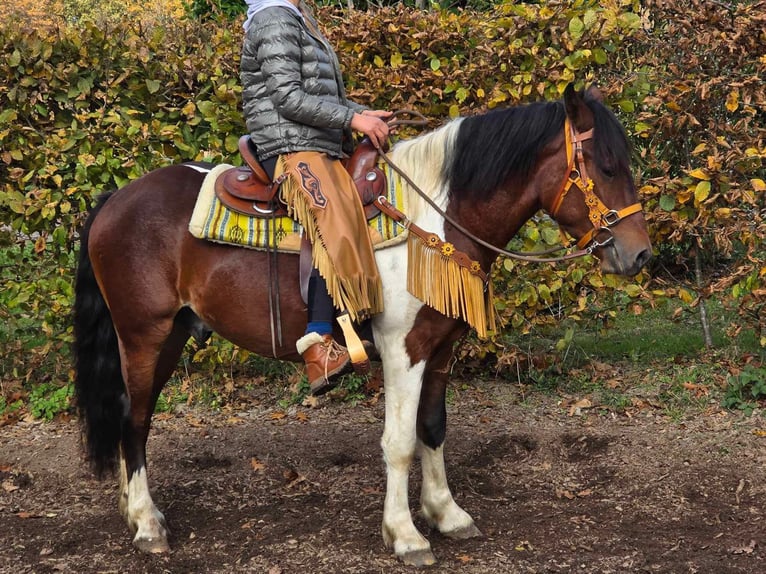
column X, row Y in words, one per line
column 292, row 90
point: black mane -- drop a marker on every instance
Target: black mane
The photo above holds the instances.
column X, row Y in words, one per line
column 493, row 148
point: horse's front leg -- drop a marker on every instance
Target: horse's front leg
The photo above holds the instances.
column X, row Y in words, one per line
column 438, row 507
column 399, row 442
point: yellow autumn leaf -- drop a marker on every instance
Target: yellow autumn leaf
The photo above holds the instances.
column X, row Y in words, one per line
column 633, row 290
column 758, row 184
column 684, row 195
column 700, row 173
column 732, row 101
column 396, row 60
column 685, row 295
column 699, row 149
column 702, row 191
column 673, row 106
column 722, row 212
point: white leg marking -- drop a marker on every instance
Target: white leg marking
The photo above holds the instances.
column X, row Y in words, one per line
column 122, row 501
column 148, row 523
column 399, row 442
column 437, row 504
column 402, row 388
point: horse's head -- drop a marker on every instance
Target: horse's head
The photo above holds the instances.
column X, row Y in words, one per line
column 596, row 200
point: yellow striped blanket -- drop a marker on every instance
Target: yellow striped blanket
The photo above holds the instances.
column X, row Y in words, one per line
column 213, row 221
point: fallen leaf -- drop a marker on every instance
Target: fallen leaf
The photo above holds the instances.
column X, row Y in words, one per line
column 584, row 493
column 277, row 415
column 696, row 390
column 46, row 551
column 275, row 570
column 311, row 402
column 8, row 486
column 561, row 493
column 748, row 549
column 302, row 417
column 464, row 558
column 256, row 464
column 576, row 408
column 759, row 432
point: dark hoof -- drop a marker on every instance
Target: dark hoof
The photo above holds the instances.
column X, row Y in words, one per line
column 464, row 533
column 418, row 558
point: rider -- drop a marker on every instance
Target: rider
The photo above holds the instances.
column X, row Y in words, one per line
column 300, row 121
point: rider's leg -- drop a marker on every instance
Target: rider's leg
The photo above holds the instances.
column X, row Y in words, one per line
column 325, row 358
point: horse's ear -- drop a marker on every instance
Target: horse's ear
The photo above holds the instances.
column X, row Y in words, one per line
column 595, row 94
column 577, row 110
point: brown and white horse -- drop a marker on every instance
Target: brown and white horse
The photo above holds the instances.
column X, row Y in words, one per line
column 145, row 285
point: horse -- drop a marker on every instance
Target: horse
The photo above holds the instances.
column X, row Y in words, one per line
column 144, row 285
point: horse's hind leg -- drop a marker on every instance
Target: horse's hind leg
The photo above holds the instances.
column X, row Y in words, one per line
column 148, row 361
column 438, row 507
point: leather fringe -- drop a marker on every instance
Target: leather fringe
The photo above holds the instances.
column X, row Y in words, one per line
column 359, row 294
column 437, row 280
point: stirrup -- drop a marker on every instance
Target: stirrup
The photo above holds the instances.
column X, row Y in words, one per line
column 356, row 350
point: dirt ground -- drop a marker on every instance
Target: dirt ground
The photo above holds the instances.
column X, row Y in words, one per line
column 553, row 488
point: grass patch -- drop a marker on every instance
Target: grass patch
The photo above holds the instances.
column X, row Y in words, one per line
column 655, row 358
column 666, row 331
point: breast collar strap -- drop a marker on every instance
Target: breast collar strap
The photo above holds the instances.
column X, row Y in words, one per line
column 601, row 217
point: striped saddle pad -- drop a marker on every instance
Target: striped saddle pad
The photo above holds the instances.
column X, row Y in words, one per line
column 213, row 221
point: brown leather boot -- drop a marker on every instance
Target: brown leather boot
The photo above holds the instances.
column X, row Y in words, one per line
column 325, row 360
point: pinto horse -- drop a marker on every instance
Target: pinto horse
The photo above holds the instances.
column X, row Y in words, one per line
column 145, row 285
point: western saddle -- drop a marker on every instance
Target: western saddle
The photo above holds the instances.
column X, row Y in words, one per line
column 248, row 189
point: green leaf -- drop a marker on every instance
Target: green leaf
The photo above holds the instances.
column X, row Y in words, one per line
column 590, row 18
column 599, row 56
column 153, row 86
column 626, row 106
column 667, row 202
column 576, row 27
column 550, row 235
column 435, row 64
column 14, row 59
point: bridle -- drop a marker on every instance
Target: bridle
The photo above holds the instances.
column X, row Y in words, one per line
column 601, row 217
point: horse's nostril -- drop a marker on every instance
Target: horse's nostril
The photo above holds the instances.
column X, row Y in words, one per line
column 643, row 258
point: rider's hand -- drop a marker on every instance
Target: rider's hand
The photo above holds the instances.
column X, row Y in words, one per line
column 371, row 123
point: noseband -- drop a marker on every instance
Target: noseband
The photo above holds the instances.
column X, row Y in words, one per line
column 601, row 217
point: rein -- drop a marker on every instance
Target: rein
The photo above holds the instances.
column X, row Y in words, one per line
column 600, row 216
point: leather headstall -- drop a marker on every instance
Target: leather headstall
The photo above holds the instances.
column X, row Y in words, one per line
column 601, row 217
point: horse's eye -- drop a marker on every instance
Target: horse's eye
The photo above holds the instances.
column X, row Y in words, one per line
column 608, row 172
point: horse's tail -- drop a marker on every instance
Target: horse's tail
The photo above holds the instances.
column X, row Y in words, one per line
column 99, row 386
